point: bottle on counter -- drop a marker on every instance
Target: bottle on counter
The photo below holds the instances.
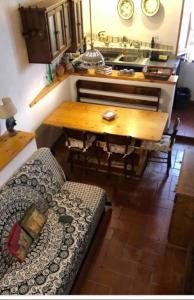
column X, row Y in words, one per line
column 152, row 43
column 84, row 45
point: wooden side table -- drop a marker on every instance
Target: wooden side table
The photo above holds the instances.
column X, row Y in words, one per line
column 181, row 230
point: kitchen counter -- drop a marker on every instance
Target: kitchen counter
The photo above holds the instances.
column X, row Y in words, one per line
column 137, row 76
column 114, row 52
column 114, row 59
column 142, row 62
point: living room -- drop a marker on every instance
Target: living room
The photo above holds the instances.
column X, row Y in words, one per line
column 140, row 243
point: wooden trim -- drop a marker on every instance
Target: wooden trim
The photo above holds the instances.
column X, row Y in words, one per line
column 117, row 99
column 47, row 89
column 180, row 25
column 11, row 146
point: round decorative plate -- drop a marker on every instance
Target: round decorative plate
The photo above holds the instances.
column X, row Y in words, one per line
column 150, row 7
column 125, row 9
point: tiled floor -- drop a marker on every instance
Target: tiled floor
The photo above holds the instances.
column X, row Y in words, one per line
column 129, row 255
column 186, row 114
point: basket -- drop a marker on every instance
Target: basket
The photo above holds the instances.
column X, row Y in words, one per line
column 161, row 73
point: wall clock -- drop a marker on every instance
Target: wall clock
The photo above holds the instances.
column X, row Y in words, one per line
column 150, row 7
column 125, row 9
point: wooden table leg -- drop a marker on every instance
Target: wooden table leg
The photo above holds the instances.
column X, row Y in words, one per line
column 142, row 162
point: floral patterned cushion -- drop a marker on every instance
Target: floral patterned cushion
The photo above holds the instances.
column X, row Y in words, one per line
column 75, row 143
column 114, row 148
column 163, row 145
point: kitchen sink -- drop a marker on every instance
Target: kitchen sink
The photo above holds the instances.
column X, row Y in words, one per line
column 128, row 58
column 109, row 56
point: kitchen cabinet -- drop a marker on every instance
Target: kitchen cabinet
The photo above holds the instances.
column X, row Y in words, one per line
column 182, row 222
column 77, row 25
column 51, row 28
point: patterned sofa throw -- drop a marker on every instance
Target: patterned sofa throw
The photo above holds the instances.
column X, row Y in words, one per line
column 56, row 255
column 50, row 264
column 36, row 182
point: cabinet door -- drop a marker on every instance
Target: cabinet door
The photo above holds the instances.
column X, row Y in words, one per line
column 78, row 18
column 77, row 24
column 60, row 29
column 67, row 24
column 53, row 32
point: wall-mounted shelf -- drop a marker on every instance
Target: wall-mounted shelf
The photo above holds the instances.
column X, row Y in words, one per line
column 11, row 146
column 118, row 47
column 47, row 89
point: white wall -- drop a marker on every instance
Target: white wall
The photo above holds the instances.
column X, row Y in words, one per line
column 18, row 79
column 22, row 81
column 165, row 24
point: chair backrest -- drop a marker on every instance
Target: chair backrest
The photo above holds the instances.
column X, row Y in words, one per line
column 125, row 95
column 117, row 140
column 175, row 130
column 75, row 134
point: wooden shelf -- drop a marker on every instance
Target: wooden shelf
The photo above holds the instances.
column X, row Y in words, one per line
column 47, row 89
column 138, row 76
column 11, row 146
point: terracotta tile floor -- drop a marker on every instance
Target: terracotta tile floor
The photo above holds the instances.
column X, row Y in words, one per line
column 186, row 113
column 128, row 255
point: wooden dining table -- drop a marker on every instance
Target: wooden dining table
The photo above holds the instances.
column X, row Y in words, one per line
column 139, row 124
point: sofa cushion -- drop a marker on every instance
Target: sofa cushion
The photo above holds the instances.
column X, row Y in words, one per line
column 91, row 195
column 53, row 258
column 163, row 145
column 48, row 160
column 19, row 242
column 93, row 198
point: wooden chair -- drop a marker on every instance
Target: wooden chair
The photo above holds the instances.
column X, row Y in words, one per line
column 79, row 142
column 141, row 97
column 164, row 145
column 118, row 148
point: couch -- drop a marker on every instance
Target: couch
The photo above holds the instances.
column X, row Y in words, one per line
column 55, row 257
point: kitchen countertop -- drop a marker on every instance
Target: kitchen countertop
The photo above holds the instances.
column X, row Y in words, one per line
column 141, row 62
column 137, row 76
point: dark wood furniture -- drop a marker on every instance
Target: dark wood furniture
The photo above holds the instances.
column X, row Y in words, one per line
column 181, row 228
column 119, row 148
column 77, row 25
column 52, row 27
column 80, row 143
column 121, row 94
column 139, row 124
column 164, row 145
